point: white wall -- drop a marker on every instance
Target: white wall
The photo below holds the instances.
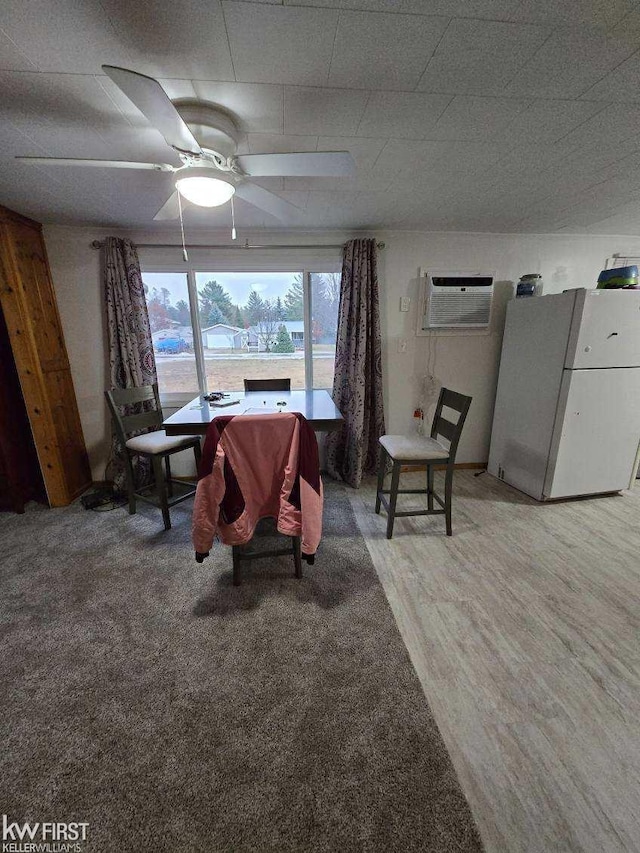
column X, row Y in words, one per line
column 467, row 363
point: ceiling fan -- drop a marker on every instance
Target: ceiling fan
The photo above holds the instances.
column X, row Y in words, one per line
column 211, row 172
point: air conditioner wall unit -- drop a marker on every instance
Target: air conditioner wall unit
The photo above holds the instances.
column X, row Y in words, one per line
column 455, row 300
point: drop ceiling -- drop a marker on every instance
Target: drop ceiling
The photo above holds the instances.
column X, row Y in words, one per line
column 496, row 115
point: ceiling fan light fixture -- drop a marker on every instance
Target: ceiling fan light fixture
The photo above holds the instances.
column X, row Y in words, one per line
column 200, row 187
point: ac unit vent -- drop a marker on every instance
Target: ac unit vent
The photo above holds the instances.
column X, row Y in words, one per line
column 457, row 301
column 460, row 310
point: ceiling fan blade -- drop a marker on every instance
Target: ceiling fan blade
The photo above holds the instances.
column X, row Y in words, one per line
column 267, row 201
column 298, row 164
column 171, row 208
column 109, row 164
column 154, row 103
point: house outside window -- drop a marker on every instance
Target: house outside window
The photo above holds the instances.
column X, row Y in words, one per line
column 212, row 328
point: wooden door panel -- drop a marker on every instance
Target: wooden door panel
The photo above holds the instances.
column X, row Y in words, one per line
column 33, row 324
column 68, row 429
column 39, row 297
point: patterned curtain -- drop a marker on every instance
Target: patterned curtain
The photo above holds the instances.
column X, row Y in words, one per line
column 131, row 359
column 357, row 383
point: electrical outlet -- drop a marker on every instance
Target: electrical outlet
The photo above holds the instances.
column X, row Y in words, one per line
column 405, row 303
column 402, row 344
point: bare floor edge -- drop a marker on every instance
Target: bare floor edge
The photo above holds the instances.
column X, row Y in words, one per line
column 523, row 633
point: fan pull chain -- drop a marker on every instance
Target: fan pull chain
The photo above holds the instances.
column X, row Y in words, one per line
column 185, row 257
column 233, row 222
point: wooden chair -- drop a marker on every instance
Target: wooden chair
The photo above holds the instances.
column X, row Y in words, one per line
column 241, row 553
column 267, row 385
column 156, row 445
column 416, row 450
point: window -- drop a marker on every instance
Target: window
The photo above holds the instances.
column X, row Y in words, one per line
column 213, row 328
column 325, row 300
column 171, row 330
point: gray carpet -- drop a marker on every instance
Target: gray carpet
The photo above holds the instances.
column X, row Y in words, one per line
column 144, row 694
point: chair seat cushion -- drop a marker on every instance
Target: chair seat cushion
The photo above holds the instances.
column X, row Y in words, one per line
column 415, row 448
column 159, row 442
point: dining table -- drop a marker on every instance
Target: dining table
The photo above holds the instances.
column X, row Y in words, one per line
column 316, row 406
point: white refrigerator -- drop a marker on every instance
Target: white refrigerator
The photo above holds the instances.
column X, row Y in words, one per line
column 567, row 414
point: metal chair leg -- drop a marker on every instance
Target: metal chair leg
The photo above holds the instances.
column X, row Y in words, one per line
column 448, row 487
column 197, row 452
column 235, row 551
column 169, row 483
column 131, row 483
column 381, row 469
column 393, row 498
column 297, row 556
column 161, row 490
column 429, row 487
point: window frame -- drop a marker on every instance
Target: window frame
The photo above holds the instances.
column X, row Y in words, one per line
column 287, row 262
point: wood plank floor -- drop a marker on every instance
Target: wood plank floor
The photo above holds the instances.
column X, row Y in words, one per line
column 524, row 630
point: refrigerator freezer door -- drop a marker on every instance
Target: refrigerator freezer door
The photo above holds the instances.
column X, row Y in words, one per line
column 606, row 330
column 597, row 432
column 531, row 368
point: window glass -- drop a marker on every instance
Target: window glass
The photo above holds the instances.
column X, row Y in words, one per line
column 252, row 327
column 325, row 300
column 167, row 296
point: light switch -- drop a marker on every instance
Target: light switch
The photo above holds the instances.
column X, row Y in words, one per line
column 405, row 302
column 402, row 344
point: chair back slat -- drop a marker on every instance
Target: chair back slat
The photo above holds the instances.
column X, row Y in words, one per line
column 454, row 400
column 442, row 426
column 125, row 425
column 267, row 384
column 129, row 396
column 446, row 428
column 143, row 420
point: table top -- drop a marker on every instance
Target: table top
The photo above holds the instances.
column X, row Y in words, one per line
column 317, row 407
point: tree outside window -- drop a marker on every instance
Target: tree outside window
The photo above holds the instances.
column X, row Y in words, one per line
column 266, row 334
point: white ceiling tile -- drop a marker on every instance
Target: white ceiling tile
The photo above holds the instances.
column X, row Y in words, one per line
column 335, row 112
column 271, row 143
column 69, row 36
column 404, row 156
column 376, row 51
column 628, row 28
column 621, row 84
column 470, row 117
column 346, row 209
column 549, row 121
column 568, row 65
column 604, row 13
column 62, row 113
column 13, row 59
column 419, row 168
column 592, row 158
column 274, row 44
column 183, row 38
column 410, row 7
column 611, row 126
column 364, row 151
column 255, row 107
column 13, row 142
column 480, row 57
column 362, row 182
column 403, row 115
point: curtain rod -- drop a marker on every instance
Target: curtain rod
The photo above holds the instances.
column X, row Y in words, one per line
column 98, row 244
